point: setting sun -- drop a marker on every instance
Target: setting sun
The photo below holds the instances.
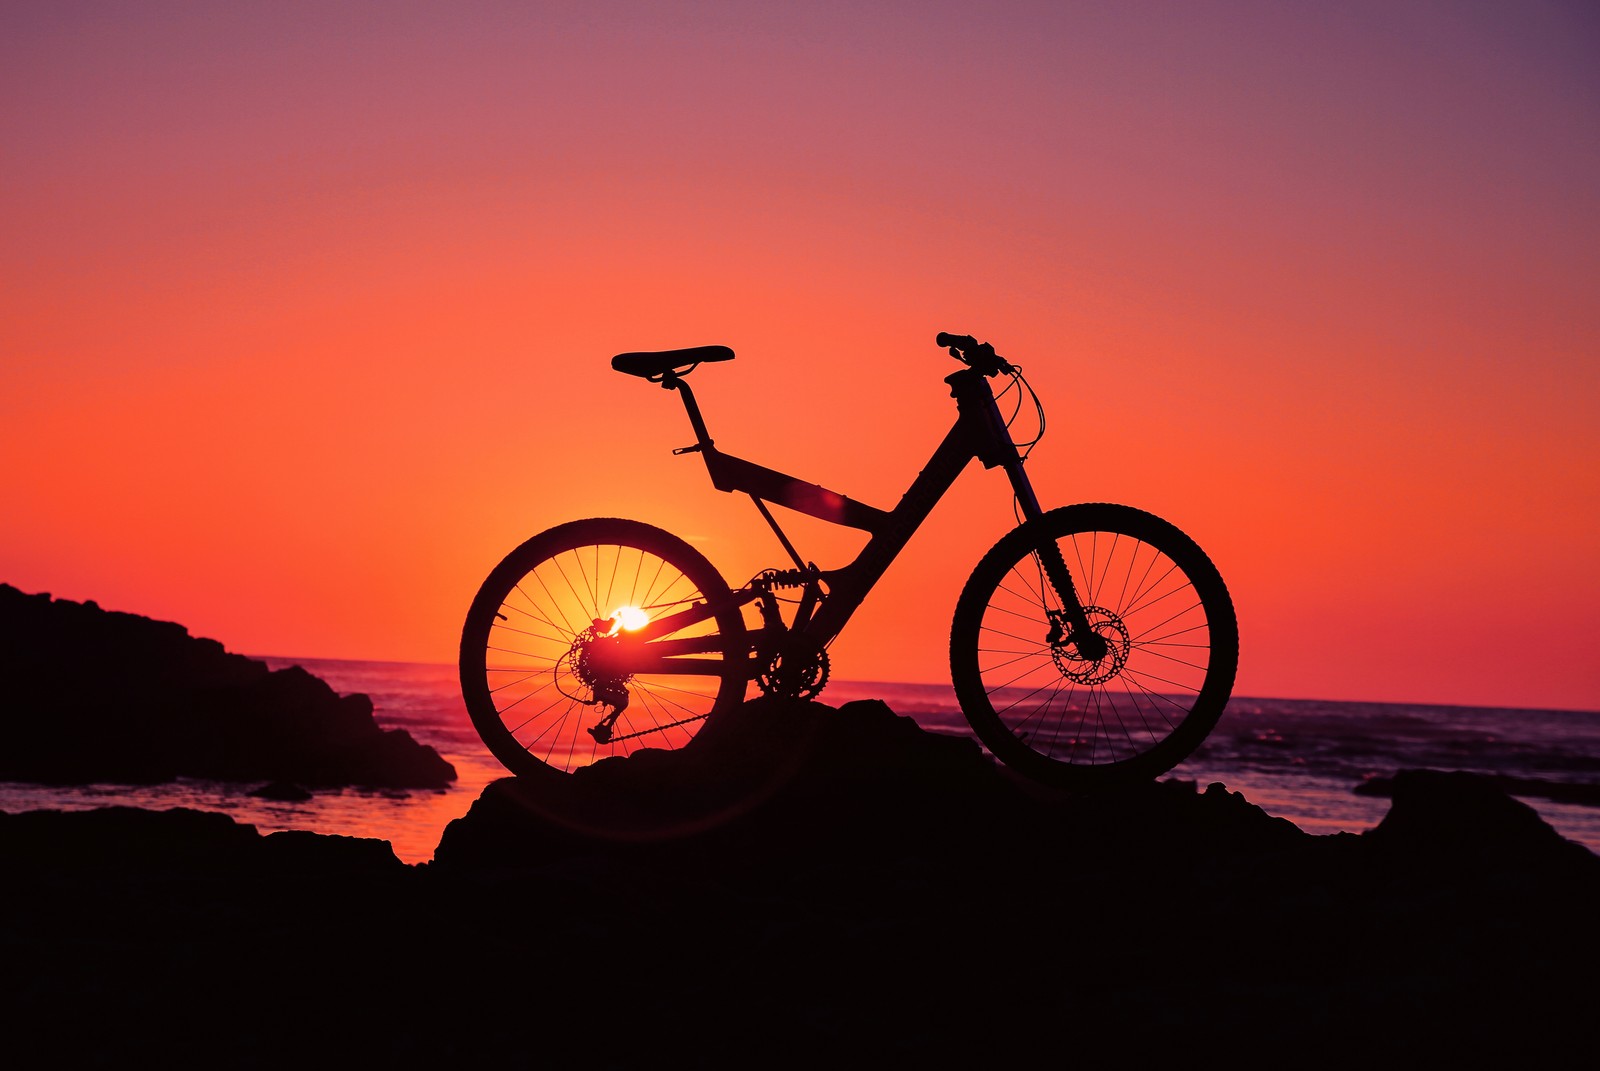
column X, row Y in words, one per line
column 629, row 619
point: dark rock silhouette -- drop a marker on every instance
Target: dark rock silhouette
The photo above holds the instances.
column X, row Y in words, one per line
column 805, row 887
column 129, row 841
column 283, row 792
column 94, row 695
column 1464, row 816
column 808, row 781
column 1556, row 791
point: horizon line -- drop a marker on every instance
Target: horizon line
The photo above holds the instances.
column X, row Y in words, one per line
column 867, row 682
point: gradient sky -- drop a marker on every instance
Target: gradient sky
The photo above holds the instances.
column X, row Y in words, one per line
column 306, row 309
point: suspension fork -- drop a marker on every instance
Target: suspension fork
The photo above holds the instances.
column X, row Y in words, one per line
column 991, row 442
column 1090, row 644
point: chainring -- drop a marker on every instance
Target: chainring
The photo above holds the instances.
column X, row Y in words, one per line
column 798, row 671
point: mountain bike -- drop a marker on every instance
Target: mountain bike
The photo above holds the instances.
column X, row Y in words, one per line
column 1093, row 645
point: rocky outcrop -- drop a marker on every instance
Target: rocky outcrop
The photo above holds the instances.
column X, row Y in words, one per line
column 93, row 695
column 778, row 782
column 123, row 843
column 1581, row 793
column 809, row 887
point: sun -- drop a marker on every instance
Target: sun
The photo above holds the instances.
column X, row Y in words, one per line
column 630, row 618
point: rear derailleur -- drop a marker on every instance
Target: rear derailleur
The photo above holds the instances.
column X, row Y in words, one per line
column 587, row 660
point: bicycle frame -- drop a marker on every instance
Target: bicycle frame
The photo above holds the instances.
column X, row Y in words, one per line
column 1077, row 692
column 979, row 432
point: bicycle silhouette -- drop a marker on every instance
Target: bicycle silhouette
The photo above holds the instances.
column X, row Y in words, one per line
column 1093, row 645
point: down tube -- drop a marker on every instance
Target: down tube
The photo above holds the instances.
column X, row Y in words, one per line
column 851, row 584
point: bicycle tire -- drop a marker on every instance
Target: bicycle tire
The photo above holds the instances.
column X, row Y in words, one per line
column 524, row 639
column 1063, row 720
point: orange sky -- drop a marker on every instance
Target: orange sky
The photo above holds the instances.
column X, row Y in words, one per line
column 305, row 315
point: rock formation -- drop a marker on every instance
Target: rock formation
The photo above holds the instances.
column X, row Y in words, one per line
column 93, row 695
column 808, row 887
column 799, row 887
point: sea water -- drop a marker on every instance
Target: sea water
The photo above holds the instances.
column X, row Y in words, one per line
column 1296, row 759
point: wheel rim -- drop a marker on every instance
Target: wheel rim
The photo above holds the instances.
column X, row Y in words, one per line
column 549, row 647
column 1125, row 707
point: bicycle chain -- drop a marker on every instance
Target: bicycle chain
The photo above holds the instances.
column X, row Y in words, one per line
column 656, row 729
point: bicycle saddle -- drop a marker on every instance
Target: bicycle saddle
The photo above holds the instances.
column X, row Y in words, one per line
column 653, row 365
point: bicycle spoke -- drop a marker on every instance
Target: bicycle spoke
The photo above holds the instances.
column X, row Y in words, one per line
column 546, row 652
column 1146, row 700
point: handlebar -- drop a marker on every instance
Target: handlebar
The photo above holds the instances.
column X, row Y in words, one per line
column 979, row 355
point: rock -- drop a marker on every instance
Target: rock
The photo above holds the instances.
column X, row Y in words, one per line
column 91, row 695
column 302, row 852
column 1467, row 818
column 128, row 840
column 123, row 840
column 1581, row 793
column 779, row 787
column 283, row 792
column 808, row 883
column 773, row 778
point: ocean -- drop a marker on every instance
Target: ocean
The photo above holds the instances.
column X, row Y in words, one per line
column 1296, row 759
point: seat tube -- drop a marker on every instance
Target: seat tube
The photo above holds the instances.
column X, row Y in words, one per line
column 702, row 437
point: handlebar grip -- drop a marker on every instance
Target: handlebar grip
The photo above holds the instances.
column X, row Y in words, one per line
column 975, row 354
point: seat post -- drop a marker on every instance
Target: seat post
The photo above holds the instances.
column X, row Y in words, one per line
column 671, row 381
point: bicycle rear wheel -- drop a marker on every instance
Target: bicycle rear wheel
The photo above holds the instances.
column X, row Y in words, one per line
column 1172, row 649
column 589, row 617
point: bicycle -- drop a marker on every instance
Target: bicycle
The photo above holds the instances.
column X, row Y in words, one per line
column 1081, row 676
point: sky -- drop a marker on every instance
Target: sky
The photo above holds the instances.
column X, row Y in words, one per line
column 306, row 310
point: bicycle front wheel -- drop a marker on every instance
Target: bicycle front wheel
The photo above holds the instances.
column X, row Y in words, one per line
column 597, row 638
column 1138, row 707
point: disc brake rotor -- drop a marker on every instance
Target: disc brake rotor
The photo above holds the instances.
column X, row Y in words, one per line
column 1109, row 627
